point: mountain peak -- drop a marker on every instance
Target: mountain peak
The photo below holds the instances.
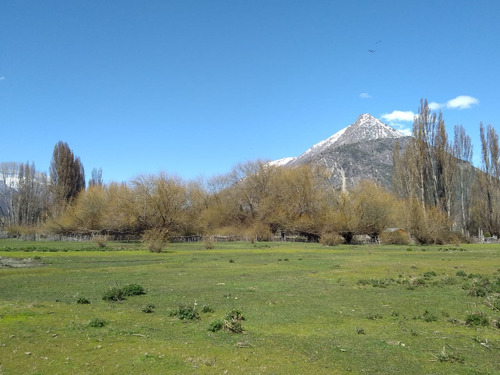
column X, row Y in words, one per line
column 365, row 117
column 365, row 128
column 363, row 150
column 373, row 128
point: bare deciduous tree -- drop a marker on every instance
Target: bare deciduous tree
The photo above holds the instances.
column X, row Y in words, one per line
column 464, row 179
column 487, row 199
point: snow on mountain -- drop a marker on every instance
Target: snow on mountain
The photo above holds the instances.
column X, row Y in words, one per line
column 281, row 162
column 365, row 128
column 331, row 141
column 9, row 180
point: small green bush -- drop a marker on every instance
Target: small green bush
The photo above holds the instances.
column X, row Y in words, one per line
column 478, row 291
column 494, row 303
column 97, row 323
column 114, row 295
column 444, row 356
column 119, row 294
column 149, row 308
column 448, row 281
column 429, row 274
column 133, row 290
column 417, row 281
column 206, row 309
column 216, row 325
column 234, row 314
column 477, row 319
column 481, row 286
column 232, row 321
column 82, row 301
column 474, row 275
column 184, row 312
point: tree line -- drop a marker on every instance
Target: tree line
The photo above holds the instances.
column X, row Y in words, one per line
column 438, row 174
column 29, row 197
column 436, row 195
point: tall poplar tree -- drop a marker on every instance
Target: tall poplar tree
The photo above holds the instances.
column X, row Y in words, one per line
column 96, row 179
column 425, row 169
column 67, row 176
column 31, row 195
column 487, row 199
column 464, row 177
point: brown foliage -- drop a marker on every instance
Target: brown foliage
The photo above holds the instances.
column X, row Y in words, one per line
column 428, row 225
column 397, row 237
column 156, row 239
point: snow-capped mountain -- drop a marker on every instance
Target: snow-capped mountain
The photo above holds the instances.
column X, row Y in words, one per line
column 363, row 150
column 365, row 128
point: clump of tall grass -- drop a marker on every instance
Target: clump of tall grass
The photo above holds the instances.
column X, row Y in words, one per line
column 101, row 240
column 156, row 239
column 331, row 239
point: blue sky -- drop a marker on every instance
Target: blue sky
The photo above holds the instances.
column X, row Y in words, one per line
column 194, row 87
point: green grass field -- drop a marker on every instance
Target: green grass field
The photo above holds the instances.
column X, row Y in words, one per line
column 308, row 309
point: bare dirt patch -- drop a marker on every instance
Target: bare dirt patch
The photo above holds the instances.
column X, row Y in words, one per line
column 7, row 262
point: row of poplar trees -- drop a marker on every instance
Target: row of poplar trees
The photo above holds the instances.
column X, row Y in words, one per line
column 437, row 173
column 29, row 197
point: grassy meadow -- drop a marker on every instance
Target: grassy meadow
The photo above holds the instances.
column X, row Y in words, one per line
column 308, row 309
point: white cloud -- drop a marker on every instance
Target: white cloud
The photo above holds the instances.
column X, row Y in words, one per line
column 365, row 95
column 396, row 116
column 403, row 129
column 434, row 106
column 461, row 102
column 395, row 119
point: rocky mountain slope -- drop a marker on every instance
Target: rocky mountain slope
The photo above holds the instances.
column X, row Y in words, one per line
column 363, row 150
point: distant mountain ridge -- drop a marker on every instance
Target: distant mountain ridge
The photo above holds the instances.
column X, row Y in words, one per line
column 363, row 150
